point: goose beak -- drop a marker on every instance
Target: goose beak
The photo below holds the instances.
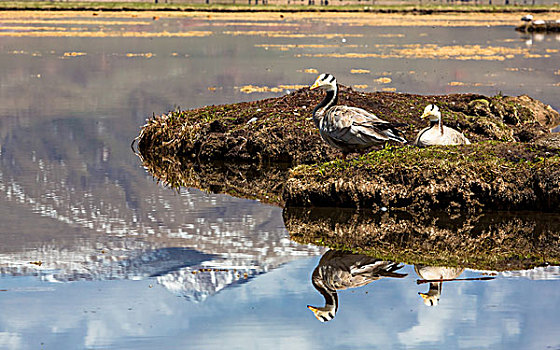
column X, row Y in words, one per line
column 424, row 115
column 314, row 86
column 428, row 300
column 316, row 313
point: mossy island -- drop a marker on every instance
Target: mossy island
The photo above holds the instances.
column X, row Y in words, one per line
column 270, row 150
column 273, row 152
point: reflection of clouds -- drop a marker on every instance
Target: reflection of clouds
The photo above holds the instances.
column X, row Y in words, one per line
column 10, row 340
column 270, row 313
column 433, row 325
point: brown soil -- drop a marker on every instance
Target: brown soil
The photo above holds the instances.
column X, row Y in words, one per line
column 498, row 241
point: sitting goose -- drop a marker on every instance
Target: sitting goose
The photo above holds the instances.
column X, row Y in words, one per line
column 349, row 129
column 338, row 270
column 431, row 298
column 437, row 133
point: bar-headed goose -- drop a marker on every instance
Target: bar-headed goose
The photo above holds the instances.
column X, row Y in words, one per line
column 349, row 129
column 437, row 133
column 431, row 298
column 338, row 270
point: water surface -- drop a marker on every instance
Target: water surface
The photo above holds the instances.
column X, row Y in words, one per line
column 96, row 254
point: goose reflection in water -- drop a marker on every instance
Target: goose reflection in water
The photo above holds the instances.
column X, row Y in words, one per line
column 431, row 298
column 339, row 270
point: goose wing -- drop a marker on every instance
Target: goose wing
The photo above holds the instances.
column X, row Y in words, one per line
column 455, row 137
column 432, row 136
column 356, row 126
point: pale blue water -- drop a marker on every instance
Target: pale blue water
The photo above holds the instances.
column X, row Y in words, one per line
column 128, row 264
column 270, row 312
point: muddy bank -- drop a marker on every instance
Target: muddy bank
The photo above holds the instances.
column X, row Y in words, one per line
column 243, row 180
column 486, row 175
column 490, row 241
column 512, row 165
column 280, row 129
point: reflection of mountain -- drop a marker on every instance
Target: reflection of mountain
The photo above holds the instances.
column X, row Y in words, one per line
column 73, row 198
column 489, row 241
column 88, row 217
column 538, row 273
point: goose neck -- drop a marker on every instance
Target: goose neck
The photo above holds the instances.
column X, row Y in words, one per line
column 328, row 101
column 331, row 297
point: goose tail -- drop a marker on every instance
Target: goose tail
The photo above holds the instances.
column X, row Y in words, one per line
column 394, row 134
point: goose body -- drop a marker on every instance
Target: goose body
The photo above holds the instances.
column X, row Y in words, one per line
column 338, row 270
column 437, row 133
column 349, row 129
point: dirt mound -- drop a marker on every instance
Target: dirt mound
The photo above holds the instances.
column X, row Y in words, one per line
column 495, row 175
column 513, row 163
column 280, row 129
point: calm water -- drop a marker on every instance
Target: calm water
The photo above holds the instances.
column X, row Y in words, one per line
column 95, row 254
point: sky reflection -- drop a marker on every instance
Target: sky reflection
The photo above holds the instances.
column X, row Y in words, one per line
column 271, row 312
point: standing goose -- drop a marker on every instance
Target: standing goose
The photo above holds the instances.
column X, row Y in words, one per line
column 349, row 129
column 437, row 133
column 338, row 270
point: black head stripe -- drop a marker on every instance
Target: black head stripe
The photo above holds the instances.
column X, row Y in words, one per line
column 331, row 79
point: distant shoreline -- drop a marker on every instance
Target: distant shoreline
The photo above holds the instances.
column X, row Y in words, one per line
column 185, row 7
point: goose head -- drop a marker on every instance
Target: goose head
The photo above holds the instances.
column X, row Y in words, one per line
column 324, row 313
column 429, row 300
column 432, row 112
column 325, row 81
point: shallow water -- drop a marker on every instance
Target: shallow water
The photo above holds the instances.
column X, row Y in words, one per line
column 95, row 254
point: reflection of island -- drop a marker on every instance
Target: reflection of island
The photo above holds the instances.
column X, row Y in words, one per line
column 245, row 180
column 339, row 270
column 431, row 298
column 486, row 241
